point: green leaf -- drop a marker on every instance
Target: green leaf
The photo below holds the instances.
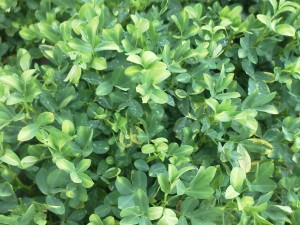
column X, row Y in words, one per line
column 228, row 95
column 237, row 178
column 140, row 199
column 135, row 108
column 25, row 59
column 200, row 192
column 41, row 181
column 55, row 205
column 134, row 59
column 169, row 218
column 45, row 118
column 10, row 158
column 124, row 186
column 28, row 132
column 154, row 213
column 132, row 211
column 111, row 172
column 265, row 170
column 244, row 159
column 75, row 177
column 148, row 149
column 99, row 63
column 28, row 161
column 264, row 186
column 125, row 201
column 68, row 127
column 132, row 70
column 257, row 145
column 139, row 180
column 285, row 30
column 104, row 88
column 183, row 150
column 107, row 45
column 79, row 45
column 83, row 165
column 230, row 192
column 47, row 31
column 159, row 96
column 163, row 182
column 74, row 75
column 65, row 165
column 95, row 220
column 157, row 72
column 265, row 20
column 12, row 81
column 86, row 181
column 148, row 58
column 142, row 165
column 28, row 215
column 203, row 177
column 6, row 190
column 84, row 136
column 183, row 78
column 189, row 205
column 257, row 100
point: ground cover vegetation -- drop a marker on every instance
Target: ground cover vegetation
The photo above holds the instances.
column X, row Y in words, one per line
column 149, row 112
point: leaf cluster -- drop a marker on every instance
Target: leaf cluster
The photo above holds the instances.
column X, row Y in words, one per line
column 149, row 112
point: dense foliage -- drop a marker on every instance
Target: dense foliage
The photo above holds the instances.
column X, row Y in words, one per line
column 149, row 112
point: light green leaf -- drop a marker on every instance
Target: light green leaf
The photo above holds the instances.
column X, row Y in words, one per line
column 45, row 118
column 157, row 72
column 74, row 74
column 28, row 132
column 203, row 177
column 285, row 30
column 6, row 189
column 133, row 70
column 237, row 178
column 159, row 96
column 244, row 160
column 86, row 181
column 94, row 219
column 227, row 95
column 163, row 182
column 83, row 165
column 99, row 63
column 28, row 161
column 230, row 193
column 140, row 199
column 134, row 59
column 47, row 31
column 148, row 149
column 55, row 205
column 11, row 81
column 106, row 46
column 65, row 165
column 148, row 58
column 265, row 20
column 155, row 213
column 169, row 218
column 10, row 158
column 80, row 45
